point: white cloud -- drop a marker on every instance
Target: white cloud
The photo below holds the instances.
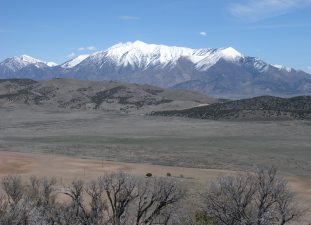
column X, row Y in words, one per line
column 129, row 18
column 70, row 55
column 88, row 48
column 91, row 48
column 260, row 9
column 203, row 33
column 280, row 26
column 309, row 68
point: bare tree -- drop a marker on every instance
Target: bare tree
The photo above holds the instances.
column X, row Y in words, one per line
column 120, row 190
column 119, row 198
column 76, row 212
column 42, row 191
column 155, row 198
column 41, row 194
column 98, row 204
column 3, row 206
column 262, row 198
column 17, row 206
column 13, row 188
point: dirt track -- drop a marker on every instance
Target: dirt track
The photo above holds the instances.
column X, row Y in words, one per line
column 66, row 169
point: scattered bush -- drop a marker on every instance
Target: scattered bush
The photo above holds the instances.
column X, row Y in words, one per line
column 148, row 174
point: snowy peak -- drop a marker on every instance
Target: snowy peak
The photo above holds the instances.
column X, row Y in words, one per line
column 230, row 53
column 51, row 64
column 283, row 68
column 26, row 59
column 142, row 55
column 206, row 58
column 137, row 55
column 30, row 60
column 73, row 62
column 135, row 44
column 18, row 62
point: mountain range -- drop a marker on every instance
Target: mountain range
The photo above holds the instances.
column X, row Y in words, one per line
column 218, row 72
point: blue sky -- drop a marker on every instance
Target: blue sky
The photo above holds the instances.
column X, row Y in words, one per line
column 278, row 31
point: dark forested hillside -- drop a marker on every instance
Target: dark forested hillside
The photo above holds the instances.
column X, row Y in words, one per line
column 258, row 108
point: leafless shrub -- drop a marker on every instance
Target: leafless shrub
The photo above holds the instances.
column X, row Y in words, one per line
column 113, row 199
column 120, row 190
column 13, row 188
column 76, row 212
column 3, row 206
column 155, row 200
column 262, row 198
column 27, row 203
column 98, row 204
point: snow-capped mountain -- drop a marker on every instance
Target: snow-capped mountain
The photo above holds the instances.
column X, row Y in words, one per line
column 18, row 62
column 140, row 55
column 281, row 67
column 222, row 72
column 75, row 61
column 51, row 64
column 25, row 66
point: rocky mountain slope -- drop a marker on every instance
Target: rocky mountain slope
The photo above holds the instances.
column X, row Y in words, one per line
column 258, row 108
column 220, row 72
column 69, row 94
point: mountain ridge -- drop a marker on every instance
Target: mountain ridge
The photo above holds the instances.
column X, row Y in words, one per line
column 70, row 94
column 220, row 72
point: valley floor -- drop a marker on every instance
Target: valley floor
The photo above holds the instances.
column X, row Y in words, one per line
column 160, row 140
column 86, row 144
